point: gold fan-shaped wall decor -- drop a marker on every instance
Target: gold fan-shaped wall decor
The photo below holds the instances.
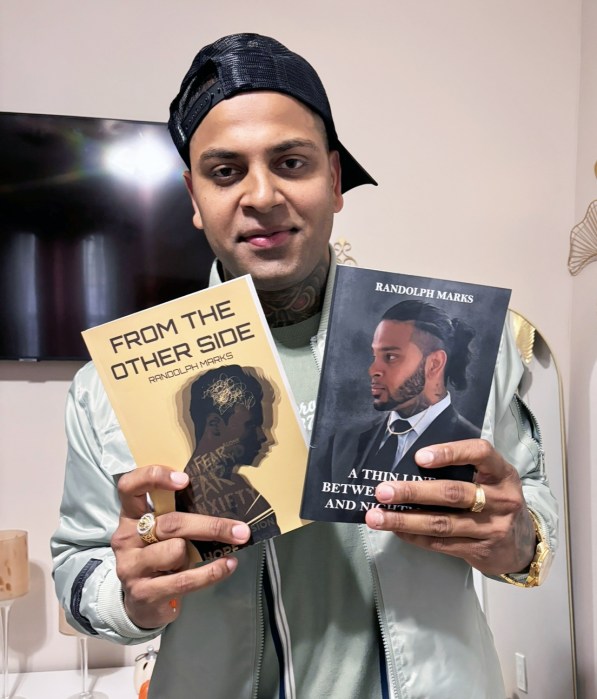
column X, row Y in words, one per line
column 583, row 241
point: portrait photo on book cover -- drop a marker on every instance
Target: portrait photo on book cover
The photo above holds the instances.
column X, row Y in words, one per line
column 401, row 371
column 230, row 417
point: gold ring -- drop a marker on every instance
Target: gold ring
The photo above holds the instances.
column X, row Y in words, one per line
column 479, row 503
column 146, row 528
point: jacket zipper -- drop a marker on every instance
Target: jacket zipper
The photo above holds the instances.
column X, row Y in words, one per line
column 538, row 440
column 535, row 424
column 315, row 352
column 395, row 691
column 260, row 624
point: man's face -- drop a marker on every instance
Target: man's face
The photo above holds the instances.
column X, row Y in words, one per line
column 398, row 368
column 264, row 187
column 243, row 434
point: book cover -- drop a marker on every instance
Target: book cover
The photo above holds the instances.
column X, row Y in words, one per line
column 196, row 384
column 408, row 363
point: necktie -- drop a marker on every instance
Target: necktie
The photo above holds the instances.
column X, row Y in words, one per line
column 384, row 460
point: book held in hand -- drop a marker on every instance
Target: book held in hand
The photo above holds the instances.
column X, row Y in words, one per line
column 408, row 363
column 196, row 384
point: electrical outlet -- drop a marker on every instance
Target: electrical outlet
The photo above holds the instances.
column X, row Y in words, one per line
column 521, row 672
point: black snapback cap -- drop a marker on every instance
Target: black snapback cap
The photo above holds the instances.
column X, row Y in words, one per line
column 248, row 62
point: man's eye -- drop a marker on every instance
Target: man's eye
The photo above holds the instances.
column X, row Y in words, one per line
column 292, row 163
column 224, row 172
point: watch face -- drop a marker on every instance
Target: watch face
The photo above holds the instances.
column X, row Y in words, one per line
column 543, row 563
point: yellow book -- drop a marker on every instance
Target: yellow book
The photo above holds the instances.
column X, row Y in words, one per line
column 196, row 384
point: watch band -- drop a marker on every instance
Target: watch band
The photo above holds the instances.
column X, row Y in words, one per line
column 539, row 565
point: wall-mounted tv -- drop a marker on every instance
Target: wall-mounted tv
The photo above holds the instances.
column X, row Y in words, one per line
column 95, row 223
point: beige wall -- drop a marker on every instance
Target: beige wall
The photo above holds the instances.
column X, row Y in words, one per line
column 582, row 445
column 465, row 111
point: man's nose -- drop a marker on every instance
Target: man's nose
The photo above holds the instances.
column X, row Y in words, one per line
column 262, row 191
column 374, row 369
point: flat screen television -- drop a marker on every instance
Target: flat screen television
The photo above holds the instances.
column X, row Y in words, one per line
column 95, row 223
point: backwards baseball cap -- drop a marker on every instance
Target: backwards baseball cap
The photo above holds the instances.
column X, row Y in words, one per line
column 245, row 63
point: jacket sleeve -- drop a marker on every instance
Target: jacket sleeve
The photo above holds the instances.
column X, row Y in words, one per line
column 84, row 567
column 511, row 428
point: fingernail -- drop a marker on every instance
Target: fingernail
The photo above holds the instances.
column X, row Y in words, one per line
column 424, row 457
column 240, row 531
column 384, row 492
column 375, row 517
column 179, row 477
column 231, row 564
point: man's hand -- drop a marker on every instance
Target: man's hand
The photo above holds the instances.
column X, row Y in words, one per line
column 500, row 539
column 155, row 576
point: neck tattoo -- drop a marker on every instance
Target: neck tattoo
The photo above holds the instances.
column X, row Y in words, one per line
column 301, row 301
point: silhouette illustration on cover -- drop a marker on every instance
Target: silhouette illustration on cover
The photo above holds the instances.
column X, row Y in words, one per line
column 227, row 411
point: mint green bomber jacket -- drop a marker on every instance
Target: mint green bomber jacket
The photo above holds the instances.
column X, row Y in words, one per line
column 436, row 638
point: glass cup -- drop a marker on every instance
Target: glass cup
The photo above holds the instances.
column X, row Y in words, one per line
column 65, row 628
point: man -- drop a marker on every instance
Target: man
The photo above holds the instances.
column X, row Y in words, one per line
column 418, row 350
column 325, row 610
column 227, row 413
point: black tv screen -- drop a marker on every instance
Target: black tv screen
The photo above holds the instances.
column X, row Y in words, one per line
column 95, row 223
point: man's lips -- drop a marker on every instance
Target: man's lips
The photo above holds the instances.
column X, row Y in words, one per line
column 268, row 237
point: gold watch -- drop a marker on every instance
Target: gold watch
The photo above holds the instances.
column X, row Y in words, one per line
column 540, row 564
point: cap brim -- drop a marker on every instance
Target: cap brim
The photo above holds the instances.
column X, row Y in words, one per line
column 353, row 174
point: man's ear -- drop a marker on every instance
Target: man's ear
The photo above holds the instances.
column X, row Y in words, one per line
column 188, row 180
column 336, row 170
column 435, row 364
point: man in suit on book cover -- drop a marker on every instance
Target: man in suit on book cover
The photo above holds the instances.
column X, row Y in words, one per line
column 418, row 352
